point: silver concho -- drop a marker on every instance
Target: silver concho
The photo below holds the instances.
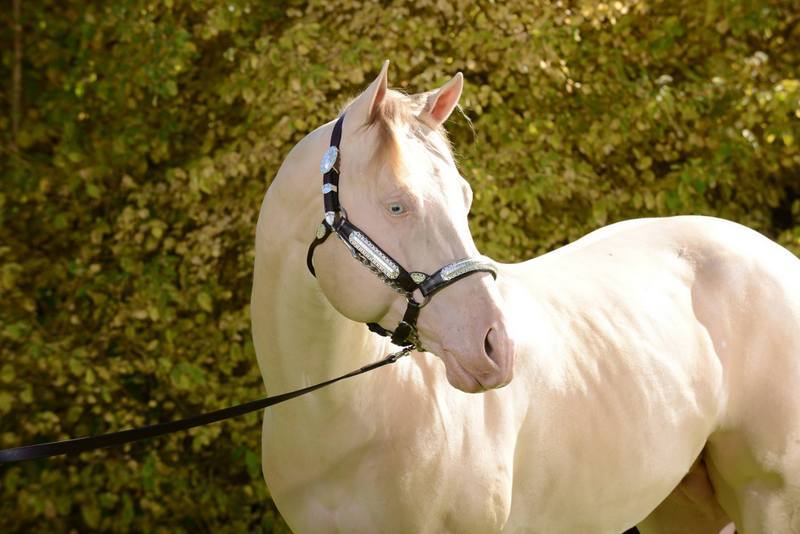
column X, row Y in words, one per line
column 467, row 265
column 418, row 278
column 320, row 231
column 328, row 159
column 327, row 188
column 377, row 258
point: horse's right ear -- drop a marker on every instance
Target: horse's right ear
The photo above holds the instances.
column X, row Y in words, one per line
column 364, row 107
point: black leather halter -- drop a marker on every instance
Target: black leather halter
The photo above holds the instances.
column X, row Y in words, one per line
column 377, row 260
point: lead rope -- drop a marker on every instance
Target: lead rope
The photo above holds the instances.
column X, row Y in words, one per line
column 74, row 446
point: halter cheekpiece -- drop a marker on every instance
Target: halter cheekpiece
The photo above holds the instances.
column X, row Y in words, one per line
column 377, row 260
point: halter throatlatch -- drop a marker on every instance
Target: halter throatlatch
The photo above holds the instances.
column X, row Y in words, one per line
column 377, row 260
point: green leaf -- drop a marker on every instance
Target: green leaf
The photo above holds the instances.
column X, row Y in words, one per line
column 205, row 302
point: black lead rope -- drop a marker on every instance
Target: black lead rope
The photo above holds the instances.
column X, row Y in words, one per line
column 363, row 249
column 74, row 446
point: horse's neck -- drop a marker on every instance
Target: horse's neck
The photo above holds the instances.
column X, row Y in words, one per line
column 300, row 339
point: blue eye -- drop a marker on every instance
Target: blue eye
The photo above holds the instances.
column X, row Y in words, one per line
column 395, row 208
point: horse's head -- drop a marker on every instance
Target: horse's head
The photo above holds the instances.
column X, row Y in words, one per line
column 399, row 184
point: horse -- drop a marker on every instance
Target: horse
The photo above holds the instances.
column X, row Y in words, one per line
column 646, row 374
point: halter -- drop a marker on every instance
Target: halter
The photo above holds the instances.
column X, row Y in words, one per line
column 377, row 260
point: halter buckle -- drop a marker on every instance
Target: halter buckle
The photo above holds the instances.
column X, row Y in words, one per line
column 411, row 300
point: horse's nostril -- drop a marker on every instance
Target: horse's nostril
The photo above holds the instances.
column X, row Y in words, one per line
column 487, row 345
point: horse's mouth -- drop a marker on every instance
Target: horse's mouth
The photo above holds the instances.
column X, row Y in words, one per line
column 461, row 378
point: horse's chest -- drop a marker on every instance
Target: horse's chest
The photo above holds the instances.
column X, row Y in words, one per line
column 417, row 483
column 420, row 498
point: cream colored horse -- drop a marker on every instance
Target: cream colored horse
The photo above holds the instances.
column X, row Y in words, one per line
column 656, row 362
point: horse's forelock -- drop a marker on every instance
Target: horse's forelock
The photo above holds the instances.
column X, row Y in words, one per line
column 398, row 111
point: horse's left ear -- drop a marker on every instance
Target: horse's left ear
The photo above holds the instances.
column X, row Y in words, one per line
column 441, row 103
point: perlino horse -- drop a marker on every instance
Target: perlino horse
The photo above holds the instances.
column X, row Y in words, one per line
column 656, row 362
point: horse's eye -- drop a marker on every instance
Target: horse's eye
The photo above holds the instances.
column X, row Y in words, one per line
column 395, row 208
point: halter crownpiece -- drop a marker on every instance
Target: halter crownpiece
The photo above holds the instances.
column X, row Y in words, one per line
column 377, row 260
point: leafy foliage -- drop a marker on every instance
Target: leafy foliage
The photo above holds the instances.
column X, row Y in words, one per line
column 150, row 131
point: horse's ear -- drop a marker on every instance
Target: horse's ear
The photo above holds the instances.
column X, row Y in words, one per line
column 363, row 107
column 442, row 102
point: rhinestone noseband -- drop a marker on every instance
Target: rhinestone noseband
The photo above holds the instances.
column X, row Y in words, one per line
column 377, row 260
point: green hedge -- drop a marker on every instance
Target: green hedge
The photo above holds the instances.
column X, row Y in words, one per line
column 149, row 132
